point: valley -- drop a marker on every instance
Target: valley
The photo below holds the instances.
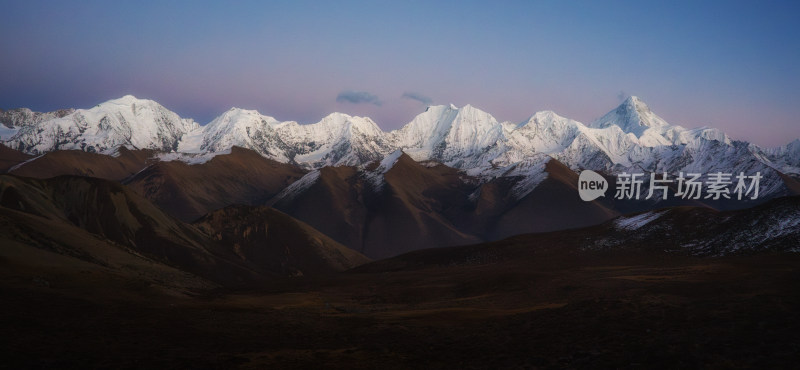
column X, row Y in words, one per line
column 548, row 307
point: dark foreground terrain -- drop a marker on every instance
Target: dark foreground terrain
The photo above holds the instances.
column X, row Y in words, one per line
column 511, row 304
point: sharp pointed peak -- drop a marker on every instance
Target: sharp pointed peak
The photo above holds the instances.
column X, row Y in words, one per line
column 636, row 103
column 633, row 99
column 632, row 116
column 471, row 109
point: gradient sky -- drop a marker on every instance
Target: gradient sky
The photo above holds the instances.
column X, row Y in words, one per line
column 726, row 64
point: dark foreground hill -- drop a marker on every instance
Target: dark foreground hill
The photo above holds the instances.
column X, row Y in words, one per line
column 415, row 206
column 770, row 228
column 190, row 191
column 552, row 300
column 277, row 242
column 82, row 220
column 554, row 309
column 182, row 190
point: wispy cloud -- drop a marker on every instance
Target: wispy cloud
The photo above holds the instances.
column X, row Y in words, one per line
column 358, row 97
column 418, row 97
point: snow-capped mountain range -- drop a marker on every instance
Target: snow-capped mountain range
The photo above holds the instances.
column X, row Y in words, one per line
column 629, row 138
column 128, row 121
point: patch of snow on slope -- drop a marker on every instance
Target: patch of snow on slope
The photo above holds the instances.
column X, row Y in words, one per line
column 190, row 158
column 192, row 141
column 637, row 221
column 298, row 186
column 7, row 133
column 388, row 162
column 529, row 172
column 15, row 167
column 783, row 226
column 376, row 176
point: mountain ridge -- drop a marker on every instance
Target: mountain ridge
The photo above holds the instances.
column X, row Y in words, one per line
column 629, row 138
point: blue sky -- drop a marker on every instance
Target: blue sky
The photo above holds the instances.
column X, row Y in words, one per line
column 726, row 64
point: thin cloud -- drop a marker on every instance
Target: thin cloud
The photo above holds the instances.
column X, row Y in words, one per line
column 418, row 97
column 358, row 97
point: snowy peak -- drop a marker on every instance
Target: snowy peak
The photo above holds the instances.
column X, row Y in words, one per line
column 545, row 115
column 333, row 128
column 236, row 127
column 127, row 121
column 235, row 113
column 635, row 103
column 545, row 119
column 793, row 148
column 142, row 110
column 425, row 132
column 350, row 124
column 143, row 123
column 785, row 158
column 338, row 139
column 127, row 100
column 472, row 129
column 632, row 116
column 474, row 116
column 23, row 116
column 442, row 132
column 238, row 118
column 471, row 121
column 544, row 132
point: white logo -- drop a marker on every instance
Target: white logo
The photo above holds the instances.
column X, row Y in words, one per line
column 591, row 185
column 689, row 185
